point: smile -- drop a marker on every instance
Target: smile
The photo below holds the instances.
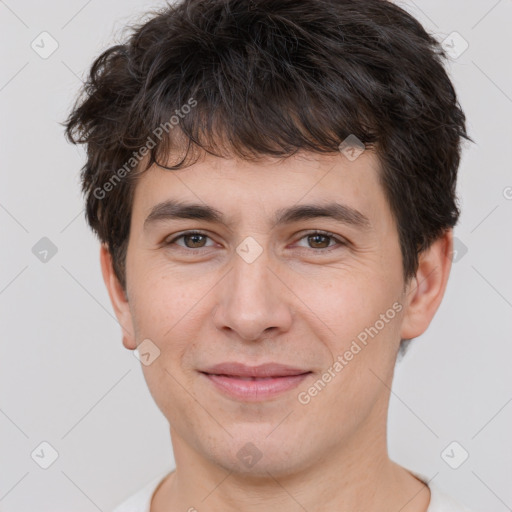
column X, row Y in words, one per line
column 254, row 389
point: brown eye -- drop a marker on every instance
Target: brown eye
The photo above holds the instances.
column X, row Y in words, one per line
column 319, row 241
column 194, row 241
column 190, row 240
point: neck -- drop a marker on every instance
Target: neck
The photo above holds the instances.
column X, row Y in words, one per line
column 354, row 475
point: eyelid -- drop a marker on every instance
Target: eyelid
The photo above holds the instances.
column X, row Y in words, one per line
column 190, row 232
column 340, row 241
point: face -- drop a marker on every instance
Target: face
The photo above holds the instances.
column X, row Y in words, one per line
column 293, row 262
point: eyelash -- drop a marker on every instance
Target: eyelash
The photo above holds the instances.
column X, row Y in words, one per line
column 327, row 234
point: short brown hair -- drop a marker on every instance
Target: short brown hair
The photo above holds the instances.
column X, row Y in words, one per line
column 271, row 77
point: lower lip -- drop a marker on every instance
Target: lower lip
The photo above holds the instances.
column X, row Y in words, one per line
column 255, row 390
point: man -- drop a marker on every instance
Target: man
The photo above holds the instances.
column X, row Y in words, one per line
column 273, row 183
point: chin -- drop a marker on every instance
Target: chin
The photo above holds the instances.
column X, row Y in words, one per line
column 259, row 454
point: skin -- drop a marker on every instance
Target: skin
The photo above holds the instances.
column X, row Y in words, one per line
column 296, row 304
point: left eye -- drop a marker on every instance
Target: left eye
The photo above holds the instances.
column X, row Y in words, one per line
column 321, row 240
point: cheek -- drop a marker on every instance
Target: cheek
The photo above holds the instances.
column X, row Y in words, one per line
column 346, row 304
column 171, row 308
column 363, row 318
column 166, row 300
column 166, row 311
column 362, row 344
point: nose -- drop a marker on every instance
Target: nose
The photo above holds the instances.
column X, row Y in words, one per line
column 252, row 301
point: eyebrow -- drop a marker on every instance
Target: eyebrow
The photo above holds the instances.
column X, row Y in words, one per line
column 169, row 210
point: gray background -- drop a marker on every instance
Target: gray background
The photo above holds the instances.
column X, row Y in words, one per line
column 65, row 377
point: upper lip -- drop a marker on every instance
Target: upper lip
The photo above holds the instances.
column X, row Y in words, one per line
column 263, row 370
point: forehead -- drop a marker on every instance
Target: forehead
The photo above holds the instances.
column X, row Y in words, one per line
column 263, row 187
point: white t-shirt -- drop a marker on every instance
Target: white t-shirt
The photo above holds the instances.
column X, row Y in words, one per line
column 141, row 500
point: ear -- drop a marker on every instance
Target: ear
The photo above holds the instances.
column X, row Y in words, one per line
column 118, row 298
column 425, row 291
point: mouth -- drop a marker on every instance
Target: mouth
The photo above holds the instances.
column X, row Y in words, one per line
column 254, row 384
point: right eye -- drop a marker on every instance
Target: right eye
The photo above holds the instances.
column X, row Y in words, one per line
column 191, row 240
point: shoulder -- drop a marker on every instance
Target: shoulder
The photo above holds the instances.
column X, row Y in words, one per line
column 439, row 500
column 141, row 500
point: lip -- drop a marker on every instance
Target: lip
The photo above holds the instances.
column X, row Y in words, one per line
column 234, row 369
column 254, row 383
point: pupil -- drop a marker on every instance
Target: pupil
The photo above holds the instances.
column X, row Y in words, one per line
column 196, row 239
column 317, row 240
